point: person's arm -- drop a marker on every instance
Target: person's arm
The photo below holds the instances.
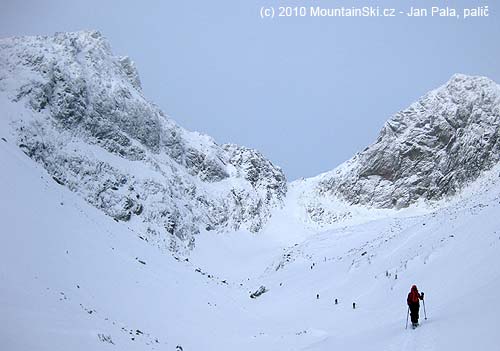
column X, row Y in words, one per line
column 421, row 296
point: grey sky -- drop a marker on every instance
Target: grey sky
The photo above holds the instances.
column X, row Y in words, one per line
column 307, row 92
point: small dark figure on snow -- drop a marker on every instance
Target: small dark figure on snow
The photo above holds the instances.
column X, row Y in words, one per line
column 413, row 301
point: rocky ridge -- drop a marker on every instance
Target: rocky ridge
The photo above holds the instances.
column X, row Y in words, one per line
column 426, row 152
column 90, row 126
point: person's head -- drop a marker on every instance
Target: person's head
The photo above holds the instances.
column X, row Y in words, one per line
column 414, row 288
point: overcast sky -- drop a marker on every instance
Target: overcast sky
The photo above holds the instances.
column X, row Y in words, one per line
column 307, row 92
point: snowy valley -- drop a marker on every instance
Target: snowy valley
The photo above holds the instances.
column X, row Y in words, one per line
column 124, row 231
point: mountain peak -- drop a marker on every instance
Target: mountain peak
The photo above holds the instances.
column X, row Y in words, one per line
column 428, row 151
column 461, row 82
column 81, row 40
column 85, row 119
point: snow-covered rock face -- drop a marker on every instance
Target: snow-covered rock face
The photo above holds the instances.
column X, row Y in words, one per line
column 89, row 125
column 428, row 151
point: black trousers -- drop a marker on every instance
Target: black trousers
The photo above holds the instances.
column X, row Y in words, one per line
column 414, row 307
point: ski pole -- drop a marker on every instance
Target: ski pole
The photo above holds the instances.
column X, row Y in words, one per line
column 407, row 314
column 425, row 313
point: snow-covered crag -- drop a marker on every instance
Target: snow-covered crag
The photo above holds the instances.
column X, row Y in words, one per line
column 78, row 110
column 428, row 151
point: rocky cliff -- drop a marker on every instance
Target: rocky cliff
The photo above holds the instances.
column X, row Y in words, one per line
column 427, row 151
column 79, row 111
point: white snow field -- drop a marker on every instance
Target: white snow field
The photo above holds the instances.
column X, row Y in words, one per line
column 72, row 278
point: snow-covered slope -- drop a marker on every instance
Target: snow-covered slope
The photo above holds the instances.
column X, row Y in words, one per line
column 427, row 152
column 72, row 278
column 79, row 111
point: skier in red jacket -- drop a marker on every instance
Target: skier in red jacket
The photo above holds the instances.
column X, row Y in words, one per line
column 413, row 301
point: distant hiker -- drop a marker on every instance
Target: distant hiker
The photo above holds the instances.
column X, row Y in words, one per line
column 336, row 301
column 413, row 301
column 317, row 296
column 354, row 305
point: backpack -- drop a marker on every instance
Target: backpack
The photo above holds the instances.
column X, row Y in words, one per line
column 414, row 297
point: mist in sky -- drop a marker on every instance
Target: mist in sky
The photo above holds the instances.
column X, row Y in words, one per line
column 307, row 92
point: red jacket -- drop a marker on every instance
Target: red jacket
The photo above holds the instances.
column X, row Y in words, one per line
column 414, row 296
